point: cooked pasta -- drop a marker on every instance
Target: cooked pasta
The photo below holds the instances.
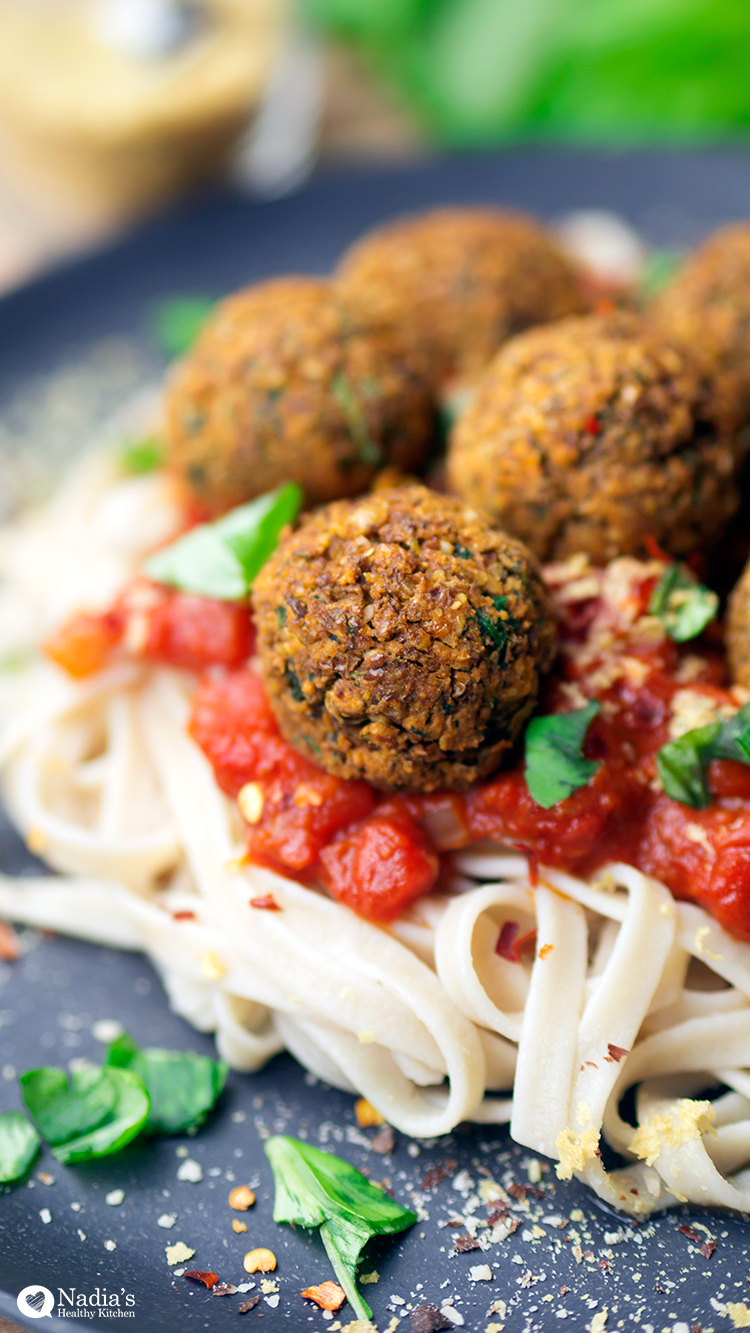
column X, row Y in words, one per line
column 625, row 987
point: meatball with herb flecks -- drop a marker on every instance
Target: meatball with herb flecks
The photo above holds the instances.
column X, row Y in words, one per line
column 706, row 308
column 458, row 282
column 590, row 436
column 286, row 383
column 738, row 630
column 402, row 639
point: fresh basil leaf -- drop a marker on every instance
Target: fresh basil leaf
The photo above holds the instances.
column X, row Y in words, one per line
column 96, row 1114
column 177, row 322
column 140, row 456
column 316, row 1189
column 182, row 1086
column 61, row 1110
column 126, row 1119
column 683, row 606
column 683, row 764
column 19, row 1145
column 252, row 531
column 555, row 764
column 222, row 559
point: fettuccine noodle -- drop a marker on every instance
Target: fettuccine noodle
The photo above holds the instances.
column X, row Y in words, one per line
column 423, row 1018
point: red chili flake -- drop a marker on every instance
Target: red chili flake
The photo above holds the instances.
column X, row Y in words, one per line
column 249, row 1304
column 383, row 1141
column 183, row 916
column 10, row 947
column 435, row 1176
column 515, row 1222
column 564, row 1291
column 616, row 1053
column 533, row 861
column 708, row 1248
column 266, row 904
column 208, row 1279
column 224, row 1289
column 655, row 550
column 592, row 425
column 697, row 1328
column 328, row 1295
column 603, row 1263
column 498, row 1214
column 454, row 1222
column 510, row 947
column 691, row 1233
column 564, row 1222
column 465, row 1243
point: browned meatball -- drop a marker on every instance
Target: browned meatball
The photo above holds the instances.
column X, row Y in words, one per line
column 286, row 384
column 458, row 282
column 706, row 308
column 586, row 436
column 738, row 631
column 402, row 639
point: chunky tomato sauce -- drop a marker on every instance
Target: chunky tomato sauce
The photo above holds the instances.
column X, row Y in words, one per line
column 377, row 853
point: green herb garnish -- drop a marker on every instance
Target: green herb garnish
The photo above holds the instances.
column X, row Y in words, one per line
column 139, row 456
column 182, row 1086
column 176, row 322
column 19, row 1145
column 316, row 1189
column 94, row 1115
column 222, row 559
column 683, row 764
column 683, row 606
column 555, row 763
column 356, row 421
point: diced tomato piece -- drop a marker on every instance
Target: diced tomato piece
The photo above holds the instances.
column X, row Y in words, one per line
column 85, row 643
column 196, row 632
column 380, row 867
column 303, row 806
column 303, row 809
column 233, row 724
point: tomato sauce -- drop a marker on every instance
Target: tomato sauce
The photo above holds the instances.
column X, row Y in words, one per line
column 377, row 853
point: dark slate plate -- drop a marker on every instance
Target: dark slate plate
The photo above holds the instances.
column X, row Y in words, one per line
column 649, row 1277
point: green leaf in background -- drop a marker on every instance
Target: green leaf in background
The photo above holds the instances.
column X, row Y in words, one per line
column 141, row 456
column 19, row 1145
column 661, row 267
column 181, row 1085
column 97, row 1114
column 683, row 764
column 222, row 559
column 683, row 605
column 316, row 1189
column 177, row 322
column 555, row 763
column 597, row 71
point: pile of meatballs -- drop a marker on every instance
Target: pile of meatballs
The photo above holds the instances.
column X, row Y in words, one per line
column 404, row 627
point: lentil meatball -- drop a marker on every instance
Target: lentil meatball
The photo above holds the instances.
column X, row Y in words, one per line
column 738, row 631
column 287, row 384
column 402, row 639
column 588, row 436
column 706, row 308
column 458, row 282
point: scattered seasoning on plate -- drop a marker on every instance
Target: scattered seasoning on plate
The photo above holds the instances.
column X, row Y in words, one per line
column 198, row 1275
column 241, row 1198
column 178, row 1253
